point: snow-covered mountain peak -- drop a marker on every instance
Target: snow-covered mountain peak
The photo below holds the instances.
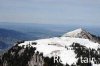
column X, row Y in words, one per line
column 60, row 46
column 78, row 33
column 79, row 30
column 69, row 50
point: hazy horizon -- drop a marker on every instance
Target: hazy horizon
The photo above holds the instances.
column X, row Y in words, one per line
column 51, row 11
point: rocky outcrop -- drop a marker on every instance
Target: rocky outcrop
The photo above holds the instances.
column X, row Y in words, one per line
column 36, row 60
column 19, row 56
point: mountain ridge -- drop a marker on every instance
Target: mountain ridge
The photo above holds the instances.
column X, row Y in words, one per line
column 9, row 37
column 42, row 52
column 81, row 33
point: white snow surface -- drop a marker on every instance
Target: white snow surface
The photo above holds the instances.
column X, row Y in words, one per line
column 74, row 33
column 56, row 46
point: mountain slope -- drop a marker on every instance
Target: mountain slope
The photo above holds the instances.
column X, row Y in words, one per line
column 9, row 37
column 3, row 45
column 11, row 33
column 81, row 33
column 57, row 51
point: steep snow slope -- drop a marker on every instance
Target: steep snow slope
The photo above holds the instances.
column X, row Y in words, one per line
column 81, row 33
column 78, row 33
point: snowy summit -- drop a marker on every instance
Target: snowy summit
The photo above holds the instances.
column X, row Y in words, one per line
column 59, row 45
column 81, row 33
column 74, row 48
column 78, row 33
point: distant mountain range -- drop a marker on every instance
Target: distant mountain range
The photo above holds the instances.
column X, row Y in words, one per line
column 3, row 45
column 9, row 37
column 74, row 48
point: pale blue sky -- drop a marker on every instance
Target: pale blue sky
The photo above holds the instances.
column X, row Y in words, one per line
column 51, row 11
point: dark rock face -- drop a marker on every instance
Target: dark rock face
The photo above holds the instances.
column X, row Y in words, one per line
column 89, row 36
